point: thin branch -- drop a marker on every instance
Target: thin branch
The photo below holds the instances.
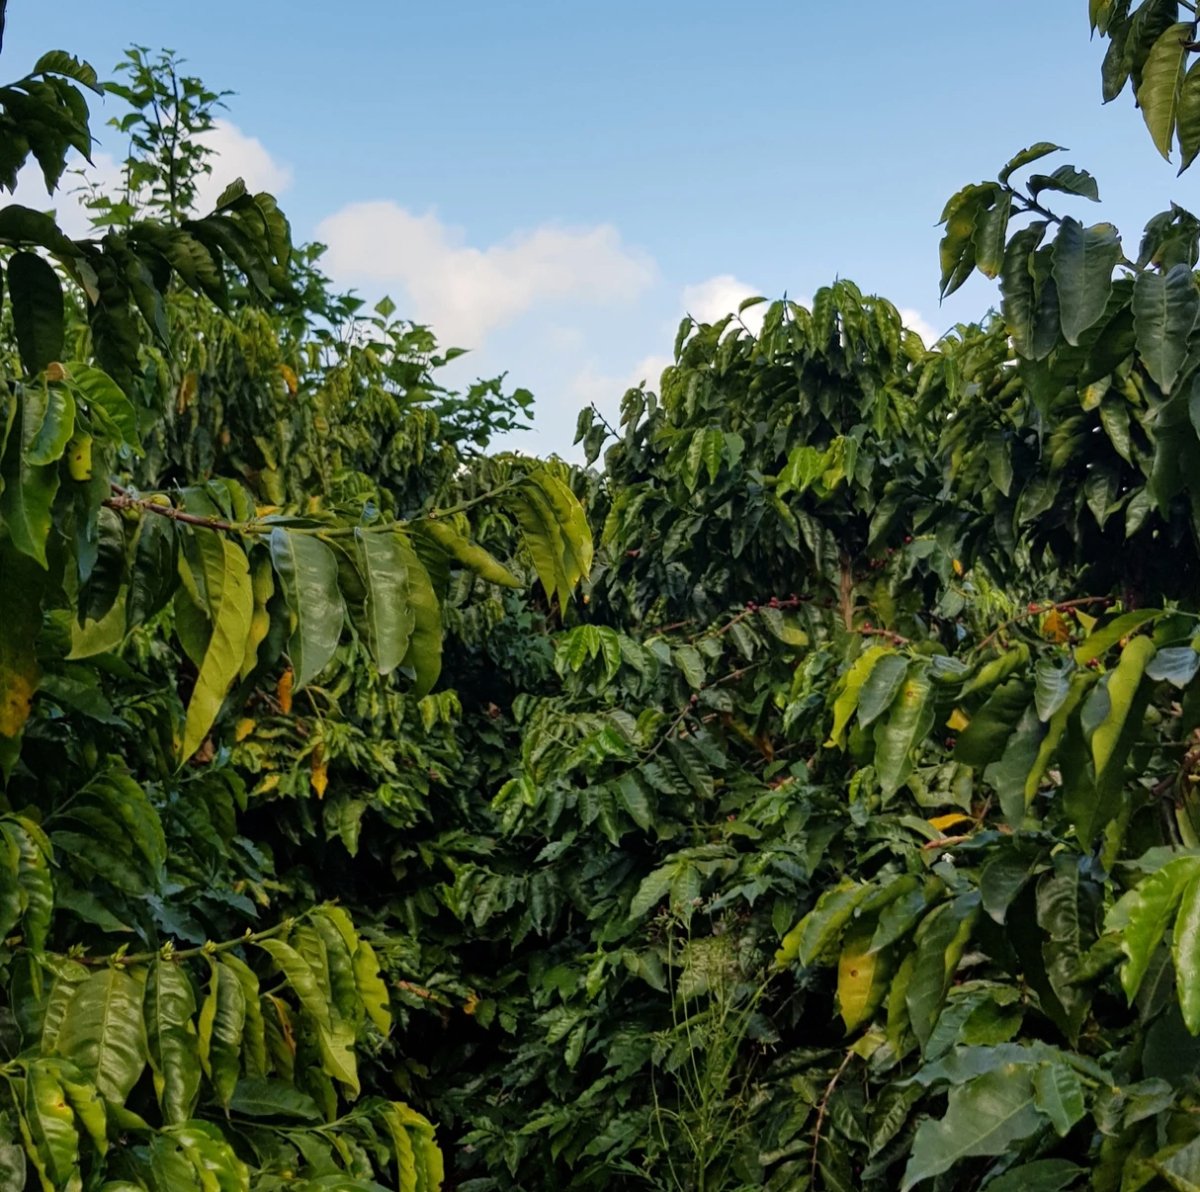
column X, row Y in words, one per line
column 821, row 1109
column 1037, row 610
column 169, row 952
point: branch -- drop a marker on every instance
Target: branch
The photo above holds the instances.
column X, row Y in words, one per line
column 822, row 1107
column 1037, row 610
column 169, row 952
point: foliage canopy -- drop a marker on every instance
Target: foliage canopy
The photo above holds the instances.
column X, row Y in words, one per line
column 804, row 800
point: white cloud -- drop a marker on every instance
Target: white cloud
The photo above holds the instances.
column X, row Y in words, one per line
column 914, row 321
column 713, row 299
column 238, row 155
column 464, row 291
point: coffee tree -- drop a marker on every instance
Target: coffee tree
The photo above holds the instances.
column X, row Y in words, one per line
column 179, row 1013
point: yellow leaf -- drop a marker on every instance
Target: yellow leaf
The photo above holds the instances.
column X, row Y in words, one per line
column 320, row 771
column 958, row 720
column 244, row 728
column 267, row 785
column 188, row 388
column 289, row 378
column 1055, row 627
column 471, row 1004
column 283, row 691
column 862, row 976
column 958, row 567
column 944, row 822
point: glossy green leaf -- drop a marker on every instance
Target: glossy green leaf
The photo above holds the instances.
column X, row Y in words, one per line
column 51, row 1125
column 469, row 554
column 1122, row 687
column 1143, row 915
column 27, row 491
column 36, row 299
column 880, row 687
column 1165, row 307
column 941, row 941
column 103, row 1033
column 1058, row 1093
column 908, row 723
column 424, row 654
column 1018, row 289
column 171, row 1039
column 261, row 1098
column 1185, row 953
column 307, row 571
column 822, row 926
column 987, row 1116
column 387, row 615
column 1162, row 79
column 1084, row 260
column 850, row 688
column 231, row 608
column 371, row 987
column 1026, row 157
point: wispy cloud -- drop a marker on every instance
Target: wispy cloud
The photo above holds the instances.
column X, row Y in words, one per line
column 465, row 291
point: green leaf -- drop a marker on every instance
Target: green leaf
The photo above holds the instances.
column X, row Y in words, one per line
column 20, row 624
column 219, row 1030
column 1188, row 117
column 1162, row 78
column 1018, row 290
column 469, row 554
column 985, row 1117
column 941, row 940
column 424, row 655
column 171, row 1039
column 1084, row 260
column 705, row 451
column 1009, row 774
column 262, row 1098
column 1164, row 312
column 307, row 571
column 231, row 607
column 105, row 399
column 1066, row 180
column 36, row 299
column 898, row 738
column 1042, row 1175
column 1185, row 952
column 387, row 615
column 1143, row 914
column 372, row 989
column 1107, row 636
column 957, row 249
column 27, row 491
column 1058, row 1093
column 103, row 1033
column 991, row 232
column 54, row 408
column 59, row 62
column 1052, row 685
column 1026, row 157
column 880, row 687
column 1122, row 687
column 1176, row 664
column 301, row 978
column 849, row 690
column 33, row 877
column 820, row 929
column 51, row 1126
column 572, row 523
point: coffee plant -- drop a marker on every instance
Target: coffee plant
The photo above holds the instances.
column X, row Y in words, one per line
column 805, row 798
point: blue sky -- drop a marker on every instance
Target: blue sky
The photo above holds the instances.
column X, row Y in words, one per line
column 552, row 185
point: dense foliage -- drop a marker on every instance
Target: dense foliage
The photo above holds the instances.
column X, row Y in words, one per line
column 840, row 832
